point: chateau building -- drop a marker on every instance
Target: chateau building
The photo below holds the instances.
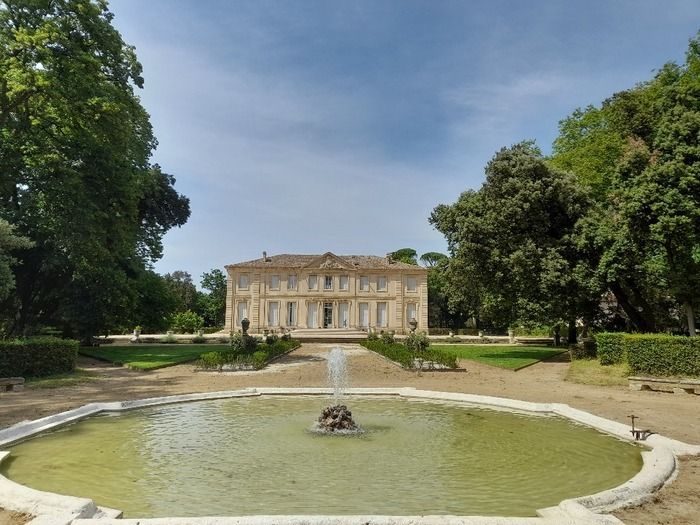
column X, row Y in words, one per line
column 326, row 291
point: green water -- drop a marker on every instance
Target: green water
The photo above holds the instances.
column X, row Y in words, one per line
column 257, row 456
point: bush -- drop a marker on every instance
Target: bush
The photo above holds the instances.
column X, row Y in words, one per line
column 199, row 339
column 417, row 342
column 36, row 357
column 372, row 336
column 212, row 360
column 406, row 357
column 243, row 344
column 662, row 355
column 271, row 339
column 169, row 339
column 610, row 349
column 259, row 359
column 186, row 322
column 387, row 337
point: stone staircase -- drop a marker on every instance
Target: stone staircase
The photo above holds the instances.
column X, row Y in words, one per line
column 329, row 335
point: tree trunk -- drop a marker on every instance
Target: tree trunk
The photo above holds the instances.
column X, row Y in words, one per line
column 571, row 338
column 691, row 318
column 635, row 317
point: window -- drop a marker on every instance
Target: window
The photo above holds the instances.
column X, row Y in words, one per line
column 328, row 282
column 410, row 311
column 364, row 315
column 243, row 281
column 311, row 315
column 273, row 314
column 242, row 312
column 411, row 284
column 344, row 282
column 313, row 282
column 291, row 314
column 381, row 284
column 343, row 317
column 274, row 282
column 381, row 315
column 364, row 284
column 292, row 282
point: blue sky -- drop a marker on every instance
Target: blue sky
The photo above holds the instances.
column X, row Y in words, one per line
column 305, row 127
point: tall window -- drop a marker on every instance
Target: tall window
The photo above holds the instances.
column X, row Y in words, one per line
column 328, row 282
column 274, row 282
column 381, row 283
column 273, row 314
column 381, row 315
column 242, row 312
column 411, row 284
column 243, row 281
column 291, row 314
column 364, row 284
column 292, row 282
column 344, row 282
column 364, row 315
column 410, row 311
column 313, row 282
column 312, row 315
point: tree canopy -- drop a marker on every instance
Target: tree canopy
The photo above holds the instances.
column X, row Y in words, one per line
column 75, row 146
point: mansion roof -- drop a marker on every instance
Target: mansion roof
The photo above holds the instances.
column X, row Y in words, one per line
column 328, row 261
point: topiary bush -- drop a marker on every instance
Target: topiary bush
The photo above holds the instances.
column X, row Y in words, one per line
column 610, row 349
column 662, row 355
column 36, row 357
column 417, row 342
column 243, row 344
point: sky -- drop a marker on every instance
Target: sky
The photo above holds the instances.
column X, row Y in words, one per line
column 306, row 127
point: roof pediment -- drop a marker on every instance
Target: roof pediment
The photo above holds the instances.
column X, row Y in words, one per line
column 329, row 261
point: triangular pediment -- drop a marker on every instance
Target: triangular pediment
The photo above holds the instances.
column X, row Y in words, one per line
column 329, row 261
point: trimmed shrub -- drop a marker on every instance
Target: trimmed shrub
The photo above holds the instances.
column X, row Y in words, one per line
column 662, row 355
column 387, row 337
column 372, row 336
column 271, row 339
column 417, row 342
column 259, row 359
column 199, row 339
column 186, row 322
column 211, row 360
column 169, row 339
column 36, row 357
column 406, row 357
column 610, row 349
column 243, row 344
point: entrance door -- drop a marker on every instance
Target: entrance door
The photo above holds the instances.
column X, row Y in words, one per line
column 343, row 317
column 327, row 315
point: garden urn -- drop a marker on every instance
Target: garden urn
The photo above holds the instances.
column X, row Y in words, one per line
column 245, row 324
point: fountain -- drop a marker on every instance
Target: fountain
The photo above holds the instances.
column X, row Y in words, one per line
column 336, row 418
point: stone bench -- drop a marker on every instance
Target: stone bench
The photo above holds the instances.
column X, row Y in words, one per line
column 11, row 384
column 677, row 386
column 528, row 340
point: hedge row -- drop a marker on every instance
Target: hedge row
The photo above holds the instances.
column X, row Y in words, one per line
column 36, row 357
column 405, row 357
column 653, row 354
column 258, row 355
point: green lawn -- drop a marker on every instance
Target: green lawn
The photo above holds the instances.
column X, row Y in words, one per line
column 55, row 381
column 513, row 357
column 151, row 356
column 591, row 372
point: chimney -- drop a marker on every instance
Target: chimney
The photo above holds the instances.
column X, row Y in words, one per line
column 264, row 256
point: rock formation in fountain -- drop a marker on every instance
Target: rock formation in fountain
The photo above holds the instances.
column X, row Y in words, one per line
column 337, row 417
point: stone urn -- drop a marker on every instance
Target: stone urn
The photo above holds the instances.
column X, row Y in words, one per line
column 511, row 336
column 413, row 324
column 481, row 333
column 245, row 324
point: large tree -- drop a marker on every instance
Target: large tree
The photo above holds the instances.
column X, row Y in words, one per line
column 75, row 145
column 513, row 251
column 214, row 302
column 640, row 156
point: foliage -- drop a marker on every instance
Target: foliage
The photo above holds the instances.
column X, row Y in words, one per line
column 9, row 242
column 513, row 255
column 271, row 339
column 372, row 336
column 257, row 359
column 75, row 147
column 149, row 357
column 37, row 357
column 243, row 344
column 432, row 259
column 169, row 339
column 213, row 304
column 212, row 360
column 405, row 255
column 199, row 339
column 183, row 290
column 406, row 357
column 662, row 355
column 512, row 357
column 387, row 337
column 417, row 342
column 585, row 350
column 155, row 303
column 186, row 322
column 610, row 348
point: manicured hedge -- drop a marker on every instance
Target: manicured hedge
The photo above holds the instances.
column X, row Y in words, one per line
column 662, row 355
column 405, row 357
column 610, row 348
column 41, row 356
column 259, row 355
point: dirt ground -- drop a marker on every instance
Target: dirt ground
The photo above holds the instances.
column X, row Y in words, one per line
column 672, row 415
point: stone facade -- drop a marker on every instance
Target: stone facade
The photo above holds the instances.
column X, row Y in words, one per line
column 326, row 291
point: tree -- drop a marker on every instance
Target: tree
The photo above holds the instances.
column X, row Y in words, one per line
column 155, row 303
column 513, row 255
column 214, row 303
column 405, row 255
column 432, row 259
column 9, row 242
column 75, row 145
column 639, row 153
column 183, row 289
